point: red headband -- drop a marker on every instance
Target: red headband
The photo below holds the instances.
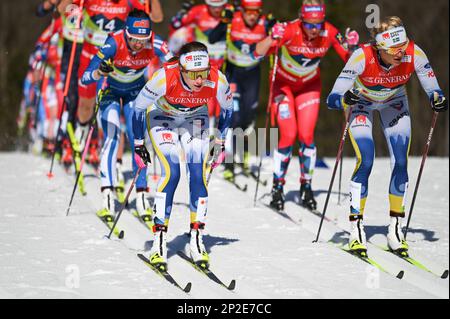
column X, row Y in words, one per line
column 313, row 12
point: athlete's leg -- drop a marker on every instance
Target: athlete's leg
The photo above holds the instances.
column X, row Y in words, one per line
column 164, row 137
column 249, row 81
column 195, row 141
column 360, row 132
column 396, row 123
column 307, row 112
column 283, row 105
column 110, row 121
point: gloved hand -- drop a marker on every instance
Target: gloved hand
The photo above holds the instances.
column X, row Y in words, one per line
column 217, row 153
column 351, row 97
column 141, row 155
column 351, row 37
column 271, row 21
column 438, row 102
column 227, row 16
column 105, row 68
column 278, row 31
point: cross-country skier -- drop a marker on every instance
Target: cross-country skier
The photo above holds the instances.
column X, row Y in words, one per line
column 177, row 96
column 374, row 79
column 130, row 50
column 203, row 18
column 100, row 18
column 71, row 32
column 242, row 30
column 296, row 90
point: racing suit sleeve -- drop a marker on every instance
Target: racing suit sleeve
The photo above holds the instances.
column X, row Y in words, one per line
column 225, row 99
column 152, row 91
column 425, row 72
column 338, row 43
column 161, row 49
column 354, row 67
column 106, row 52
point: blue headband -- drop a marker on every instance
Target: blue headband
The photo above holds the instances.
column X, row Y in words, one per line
column 139, row 27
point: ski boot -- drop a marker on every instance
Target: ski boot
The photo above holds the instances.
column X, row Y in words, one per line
column 144, row 210
column 228, row 173
column 48, row 147
column 80, row 136
column 395, row 239
column 67, row 154
column 107, row 212
column 158, row 252
column 198, row 252
column 246, row 164
column 120, row 189
column 278, row 197
column 307, row 196
column 357, row 240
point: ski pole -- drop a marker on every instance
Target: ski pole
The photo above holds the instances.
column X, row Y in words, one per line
column 338, row 157
column 269, row 102
column 424, row 157
column 66, row 90
column 88, row 141
column 340, row 173
column 125, row 202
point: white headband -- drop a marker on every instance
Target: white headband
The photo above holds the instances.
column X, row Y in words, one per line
column 196, row 60
column 391, row 37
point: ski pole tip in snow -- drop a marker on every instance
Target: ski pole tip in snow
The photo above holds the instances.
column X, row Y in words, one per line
column 445, row 274
column 232, row 285
column 400, row 274
column 188, row 287
column 50, row 175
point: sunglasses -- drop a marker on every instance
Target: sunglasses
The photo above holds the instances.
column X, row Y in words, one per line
column 194, row 75
column 311, row 26
column 253, row 11
column 395, row 51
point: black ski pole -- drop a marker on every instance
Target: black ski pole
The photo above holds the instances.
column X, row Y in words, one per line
column 424, row 157
column 88, row 141
column 125, row 202
column 338, row 157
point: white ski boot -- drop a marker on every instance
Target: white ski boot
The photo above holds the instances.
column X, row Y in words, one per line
column 197, row 248
column 158, row 253
column 80, row 135
column 108, row 211
column 395, row 239
column 357, row 240
column 120, row 188
column 144, row 209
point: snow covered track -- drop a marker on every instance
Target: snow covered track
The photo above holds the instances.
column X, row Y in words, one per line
column 44, row 254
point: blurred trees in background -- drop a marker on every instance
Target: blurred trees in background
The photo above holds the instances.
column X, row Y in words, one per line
column 426, row 24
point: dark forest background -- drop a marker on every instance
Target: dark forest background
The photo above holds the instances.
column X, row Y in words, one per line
column 427, row 23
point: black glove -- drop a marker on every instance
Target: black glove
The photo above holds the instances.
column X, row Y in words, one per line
column 227, row 16
column 187, row 5
column 270, row 21
column 141, row 150
column 350, row 98
column 105, row 68
column 439, row 103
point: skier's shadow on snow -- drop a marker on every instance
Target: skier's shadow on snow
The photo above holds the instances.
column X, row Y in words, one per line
column 428, row 235
column 342, row 237
column 182, row 240
column 294, row 196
